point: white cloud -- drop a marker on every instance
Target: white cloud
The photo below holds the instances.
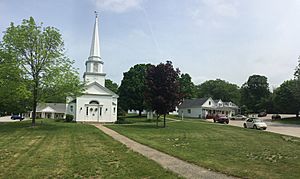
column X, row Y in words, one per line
column 213, row 12
column 118, row 6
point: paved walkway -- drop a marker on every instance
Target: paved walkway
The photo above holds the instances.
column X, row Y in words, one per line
column 173, row 164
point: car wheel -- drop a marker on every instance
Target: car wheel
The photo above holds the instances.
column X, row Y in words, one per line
column 214, row 121
column 227, row 122
column 245, row 126
column 254, row 127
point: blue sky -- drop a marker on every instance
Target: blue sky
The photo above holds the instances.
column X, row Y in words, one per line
column 209, row 39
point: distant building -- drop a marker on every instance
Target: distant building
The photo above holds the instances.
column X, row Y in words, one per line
column 201, row 107
column 50, row 111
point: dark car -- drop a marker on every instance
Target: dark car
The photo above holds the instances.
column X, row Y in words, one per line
column 276, row 116
column 15, row 117
column 262, row 114
column 222, row 119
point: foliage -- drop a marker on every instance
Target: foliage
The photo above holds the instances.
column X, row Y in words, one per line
column 187, row 87
column 297, row 70
column 39, row 53
column 227, row 149
column 69, row 117
column 219, row 89
column 163, row 88
column 286, row 99
column 111, row 85
column 255, row 93
column 132, row 88
column 14, row 93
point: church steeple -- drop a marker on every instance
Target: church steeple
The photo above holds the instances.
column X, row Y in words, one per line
column 94, row 64
column 95, row 47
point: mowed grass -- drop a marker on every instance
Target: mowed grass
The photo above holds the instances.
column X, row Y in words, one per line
column 292, row 120
column 69, row 150
column 245, row 153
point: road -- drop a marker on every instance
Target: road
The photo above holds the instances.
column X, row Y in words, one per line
column 286, row 129
column 7, row 119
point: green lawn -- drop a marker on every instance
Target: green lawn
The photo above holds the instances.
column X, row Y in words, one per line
column 246, row 153
column 69, row 150
column 292, row 120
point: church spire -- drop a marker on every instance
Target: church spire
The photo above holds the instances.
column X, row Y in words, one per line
column 94, row 64
column 95, row 47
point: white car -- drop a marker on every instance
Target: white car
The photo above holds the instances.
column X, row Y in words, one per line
column 255, row 123
column 238, row 117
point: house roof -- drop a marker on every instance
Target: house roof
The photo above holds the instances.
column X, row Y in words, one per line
column 188, row 103
column 51, row 107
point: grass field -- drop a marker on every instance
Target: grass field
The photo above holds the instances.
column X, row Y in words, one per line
column 292, row 120
column 69, row 150
column 232, row 150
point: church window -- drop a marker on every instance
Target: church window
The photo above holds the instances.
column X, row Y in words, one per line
column 96, row 65
column 71, row 108
column 96, row 109
column 87, row 110
column 114, row 109
column 100, row 111
column 94, row 102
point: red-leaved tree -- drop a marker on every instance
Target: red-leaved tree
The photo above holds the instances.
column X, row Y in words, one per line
column 162, row 92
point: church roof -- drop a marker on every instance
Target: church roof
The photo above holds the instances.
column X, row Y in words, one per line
column 103, row 88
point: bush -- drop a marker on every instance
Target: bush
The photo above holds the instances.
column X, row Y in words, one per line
column 69, row 118
column 121, row 111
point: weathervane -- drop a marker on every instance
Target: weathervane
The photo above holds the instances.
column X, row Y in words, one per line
column 96, row 13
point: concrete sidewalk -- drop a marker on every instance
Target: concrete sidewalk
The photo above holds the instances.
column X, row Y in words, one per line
column 171, row 163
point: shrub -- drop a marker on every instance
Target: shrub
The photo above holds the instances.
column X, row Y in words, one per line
column 69, row 118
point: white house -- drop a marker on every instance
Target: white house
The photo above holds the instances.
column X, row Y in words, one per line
column 200, row 108
column 97, row 104
column 49, row 110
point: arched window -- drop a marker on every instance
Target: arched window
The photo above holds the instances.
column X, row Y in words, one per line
column 94, row 102
column 96, row 65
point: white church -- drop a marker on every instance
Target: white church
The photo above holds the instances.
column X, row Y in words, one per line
column 97, row 104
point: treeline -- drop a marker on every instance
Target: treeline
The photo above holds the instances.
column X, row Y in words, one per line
column 253, row 96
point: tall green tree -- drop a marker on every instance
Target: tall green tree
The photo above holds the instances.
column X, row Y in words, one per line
column 219, row 89
column 187, row 87
column 297, row 70
column 255, row 93
column 39, row 52
column 132, row 88
column 111, row 85
column 286, row 99
column 163, row 88
column 14, row 93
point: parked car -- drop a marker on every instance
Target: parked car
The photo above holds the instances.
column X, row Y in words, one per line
column 255, row 123
column 276, row 116
column 15, row 117
column 221, row 119
column 262, row 114
column 238, row 117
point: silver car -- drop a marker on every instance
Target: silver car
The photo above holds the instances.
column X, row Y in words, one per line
column 255, row 123
column 238, row 117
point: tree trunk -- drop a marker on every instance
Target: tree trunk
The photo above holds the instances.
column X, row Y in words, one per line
column 157, row 120
column 34, row 106
column 297, row 115
column 164, row 120
column 140, row 113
